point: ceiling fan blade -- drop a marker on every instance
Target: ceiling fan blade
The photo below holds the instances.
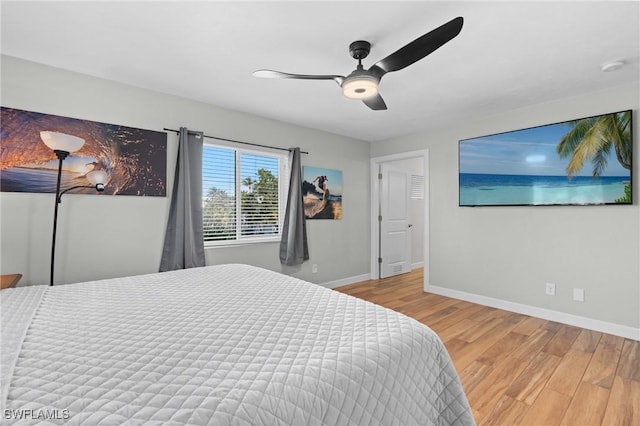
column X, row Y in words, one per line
column 376, row 103
column 419, row 48
column 277, row 74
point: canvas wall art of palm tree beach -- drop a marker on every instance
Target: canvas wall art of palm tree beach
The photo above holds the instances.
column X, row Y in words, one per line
column 577, row 162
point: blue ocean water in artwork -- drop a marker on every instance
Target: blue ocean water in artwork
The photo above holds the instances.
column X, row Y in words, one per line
column 25, row 179
column 490, row 189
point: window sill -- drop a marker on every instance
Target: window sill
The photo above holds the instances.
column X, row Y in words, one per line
column 243, row 242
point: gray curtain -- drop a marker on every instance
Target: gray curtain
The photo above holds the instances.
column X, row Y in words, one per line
column 293, row 246
column 183, row 241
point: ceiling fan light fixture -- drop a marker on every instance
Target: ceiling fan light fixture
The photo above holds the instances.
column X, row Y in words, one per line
column 360, row 87
column 363, row 84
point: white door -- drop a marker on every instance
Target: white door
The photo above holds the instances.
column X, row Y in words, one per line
column 395, row 222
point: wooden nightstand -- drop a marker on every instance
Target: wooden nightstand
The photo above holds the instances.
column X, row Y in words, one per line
column 9, row 280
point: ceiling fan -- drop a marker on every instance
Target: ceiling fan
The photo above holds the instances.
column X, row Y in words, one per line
column 363, row 84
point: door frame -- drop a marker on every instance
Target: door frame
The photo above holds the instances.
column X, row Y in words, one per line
column 375, row 200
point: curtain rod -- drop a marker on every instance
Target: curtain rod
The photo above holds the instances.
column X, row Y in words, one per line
column 231, row 140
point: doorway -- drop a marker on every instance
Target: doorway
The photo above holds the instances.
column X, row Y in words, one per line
column 381, row 242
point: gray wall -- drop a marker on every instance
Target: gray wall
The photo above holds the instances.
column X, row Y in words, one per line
column 110, row 236
column 506, row 253
column 509, row 253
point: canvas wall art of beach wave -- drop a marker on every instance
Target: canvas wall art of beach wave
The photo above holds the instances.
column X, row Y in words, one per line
column 134, row 159
column 578, row 162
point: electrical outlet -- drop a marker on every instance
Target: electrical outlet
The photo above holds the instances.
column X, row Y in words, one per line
column 314, row 268
column 578, row 294
column 550, row 289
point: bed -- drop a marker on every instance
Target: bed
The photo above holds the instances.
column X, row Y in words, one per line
column 219, row 345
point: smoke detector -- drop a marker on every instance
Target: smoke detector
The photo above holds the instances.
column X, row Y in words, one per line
column 611, row 66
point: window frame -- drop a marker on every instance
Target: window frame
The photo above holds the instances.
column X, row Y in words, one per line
column 284, row 173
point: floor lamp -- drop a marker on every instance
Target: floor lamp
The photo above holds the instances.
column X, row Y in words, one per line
column 63, row 144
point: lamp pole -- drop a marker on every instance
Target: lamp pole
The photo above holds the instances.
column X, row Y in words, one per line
column 62, row 145
column 61, row 156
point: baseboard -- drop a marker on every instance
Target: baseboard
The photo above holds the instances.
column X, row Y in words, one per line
column 417, row 265
column 346, row 281
column 547, row 314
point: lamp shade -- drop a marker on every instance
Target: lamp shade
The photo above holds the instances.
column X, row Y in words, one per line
column 61, row 141
column 97, row 177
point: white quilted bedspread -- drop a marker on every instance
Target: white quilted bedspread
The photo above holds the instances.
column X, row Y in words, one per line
column 219, row 345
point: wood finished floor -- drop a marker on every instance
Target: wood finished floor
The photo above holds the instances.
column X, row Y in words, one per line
column 521, row 370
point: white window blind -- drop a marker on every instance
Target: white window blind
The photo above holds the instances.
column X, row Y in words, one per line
column 244, row 194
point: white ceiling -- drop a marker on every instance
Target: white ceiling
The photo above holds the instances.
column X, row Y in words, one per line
column 508, row 54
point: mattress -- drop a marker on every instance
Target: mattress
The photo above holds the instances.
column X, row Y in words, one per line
column 219, row 345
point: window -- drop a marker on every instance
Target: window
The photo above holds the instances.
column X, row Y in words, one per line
column 417, row 187
column 244, row 194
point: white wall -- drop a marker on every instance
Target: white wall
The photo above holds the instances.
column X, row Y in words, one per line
column 509, row 253
column 111, row 236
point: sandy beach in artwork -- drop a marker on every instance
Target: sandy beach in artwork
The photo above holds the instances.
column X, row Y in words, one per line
column 317, row 206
